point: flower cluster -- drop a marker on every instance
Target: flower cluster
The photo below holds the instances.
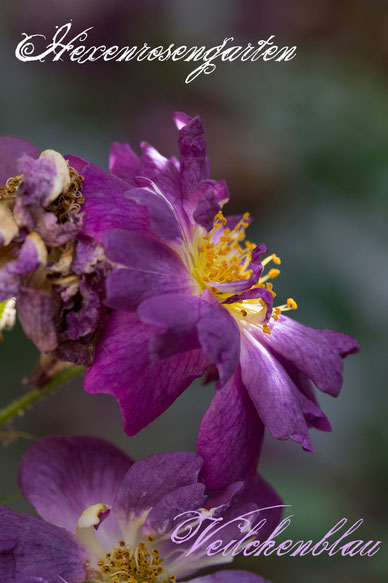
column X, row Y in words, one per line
column 137, row 274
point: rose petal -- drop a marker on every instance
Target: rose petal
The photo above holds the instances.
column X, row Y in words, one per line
column 230, row 436
column 30, row 546
column 341, row 343
column 151, row 479
column 161, row 518
column 122, row 367
column 107, row 208
column 207, row 207
column 187, row 320
column 177, row 316
column 123, row 162
column 274, row 394
column 219, row 336
column 62, row 476
column 163, row 172
column 194, row 163
column 37, row 311
column 154, row 269
column 309, row 350
column 163, row 222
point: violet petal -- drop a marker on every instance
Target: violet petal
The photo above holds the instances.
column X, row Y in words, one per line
column 230, row 436
column 152, row 385
column 29, row 546
column 62, row 476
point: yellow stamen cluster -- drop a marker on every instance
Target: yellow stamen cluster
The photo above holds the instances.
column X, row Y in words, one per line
column 141, row 566
column 225, row 258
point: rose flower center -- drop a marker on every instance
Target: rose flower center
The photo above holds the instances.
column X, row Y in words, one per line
column 124, row 564
column 143, row 565
column 226, row 257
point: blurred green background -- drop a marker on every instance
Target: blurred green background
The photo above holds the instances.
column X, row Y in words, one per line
column 304, row 148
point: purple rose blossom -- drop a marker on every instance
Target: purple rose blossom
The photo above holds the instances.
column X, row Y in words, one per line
column 106, row 518
column 55, row 274
column 189, row 295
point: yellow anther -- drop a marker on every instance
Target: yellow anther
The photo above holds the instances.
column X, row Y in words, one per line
column 266, row 329
column 220, row 217
column 125, row 565
column 273, row 273
column 226, row 259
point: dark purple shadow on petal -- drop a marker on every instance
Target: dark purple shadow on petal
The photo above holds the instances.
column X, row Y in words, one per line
column 219, row 336
column 176, row 316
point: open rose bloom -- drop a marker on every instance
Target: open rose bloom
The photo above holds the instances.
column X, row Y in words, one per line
column 138, row 274
column 189, row 294
column 107, row 519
